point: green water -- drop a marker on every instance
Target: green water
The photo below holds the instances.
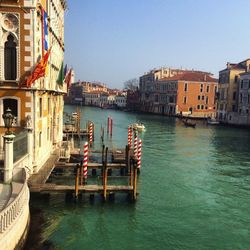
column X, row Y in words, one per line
column 194, row 191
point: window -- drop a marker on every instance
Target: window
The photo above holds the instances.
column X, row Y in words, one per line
column 185, row 100
column 40, row 139
column 236, row 79
column 207, row 88
column 248, row 83
column 198, row 106
column 233, row 108
column 185, row 87
column 241, row 84
column 40, row 107
column 48, row 105
column 203, row 97
column 247, row 111
column 202, row 106
column 240, row 98
column 199, row 97
column 201, row 87
column 10, row 58
column 206, row 99
column 234, row 96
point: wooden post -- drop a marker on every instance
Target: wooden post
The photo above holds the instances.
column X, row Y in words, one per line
column 77, row 181
column 103, row 148
column 81, row 173
column 105, row 175
column 111, row 127
column 134, row 179
column 130, row 171
column 108, row 125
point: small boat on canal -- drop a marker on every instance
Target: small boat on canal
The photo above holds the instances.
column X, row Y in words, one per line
column 139, row 126
column 212, row 121
column 189, row 124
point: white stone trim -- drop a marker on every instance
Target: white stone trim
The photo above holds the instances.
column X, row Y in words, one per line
column 28, row 38
column 26, row 68
column 27, row 94
column 27, row 26
column 27, row 16
column 28, row 58
column 27, row 104
column 27, row 49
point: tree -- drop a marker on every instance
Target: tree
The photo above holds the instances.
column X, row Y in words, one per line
column 131, row 84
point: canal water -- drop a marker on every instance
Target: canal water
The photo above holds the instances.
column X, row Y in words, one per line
column 194, row 192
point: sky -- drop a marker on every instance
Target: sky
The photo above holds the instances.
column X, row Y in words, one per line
column 112, row 41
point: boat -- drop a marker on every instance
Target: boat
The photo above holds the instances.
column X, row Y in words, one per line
column 139, row 126
column 212, row 121
column 189, row 124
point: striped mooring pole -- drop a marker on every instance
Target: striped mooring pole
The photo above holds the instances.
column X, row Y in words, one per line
column 135, row 144
column 90, row 133
column 85, row 160
column 129, row 136
column 139, row 154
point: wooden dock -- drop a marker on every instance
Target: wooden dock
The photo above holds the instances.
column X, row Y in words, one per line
column 122, row 158
column 49, row 187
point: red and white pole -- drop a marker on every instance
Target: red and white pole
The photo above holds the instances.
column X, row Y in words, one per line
column 85, row 160
column 135, row 144
column 90, row 133
column 130, row 136
column 139, row 154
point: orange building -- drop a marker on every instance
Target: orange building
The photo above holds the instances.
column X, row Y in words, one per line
column 188, row 94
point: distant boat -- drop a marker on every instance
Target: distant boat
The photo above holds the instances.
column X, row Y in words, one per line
column 212, row 121
column 139, row 126
column 189, row 124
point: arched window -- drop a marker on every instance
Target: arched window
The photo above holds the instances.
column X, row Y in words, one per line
column 10, row 58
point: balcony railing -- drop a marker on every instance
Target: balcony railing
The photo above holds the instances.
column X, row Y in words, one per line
column 11, row 212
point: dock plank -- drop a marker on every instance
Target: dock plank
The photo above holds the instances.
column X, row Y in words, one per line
column 49, row 187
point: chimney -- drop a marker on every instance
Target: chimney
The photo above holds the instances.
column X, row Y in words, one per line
column 205, row 77
column 228, row 65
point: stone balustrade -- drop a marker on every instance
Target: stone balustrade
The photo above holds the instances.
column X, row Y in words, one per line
column 14, row 217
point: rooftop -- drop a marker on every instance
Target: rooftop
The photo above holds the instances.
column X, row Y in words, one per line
column 191, row 76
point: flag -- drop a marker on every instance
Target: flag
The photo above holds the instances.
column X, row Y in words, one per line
column 65, row 71
column 40, row 69
column 60, row 77
column 45, row 44
column 68, row 79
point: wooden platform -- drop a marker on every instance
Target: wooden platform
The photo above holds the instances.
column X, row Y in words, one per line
column 91, row 165
column 48, row 187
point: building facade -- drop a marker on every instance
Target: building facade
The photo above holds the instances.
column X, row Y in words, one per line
column 30, row 29
column 190, row 94
column 228, row 90
column 152, row 96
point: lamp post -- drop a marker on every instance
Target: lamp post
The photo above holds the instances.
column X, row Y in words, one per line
column 8, row 144
column 8, row 119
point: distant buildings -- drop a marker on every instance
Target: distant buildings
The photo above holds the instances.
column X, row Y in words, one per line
column 95, row 94
column 233, row 93
column 178, row 92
